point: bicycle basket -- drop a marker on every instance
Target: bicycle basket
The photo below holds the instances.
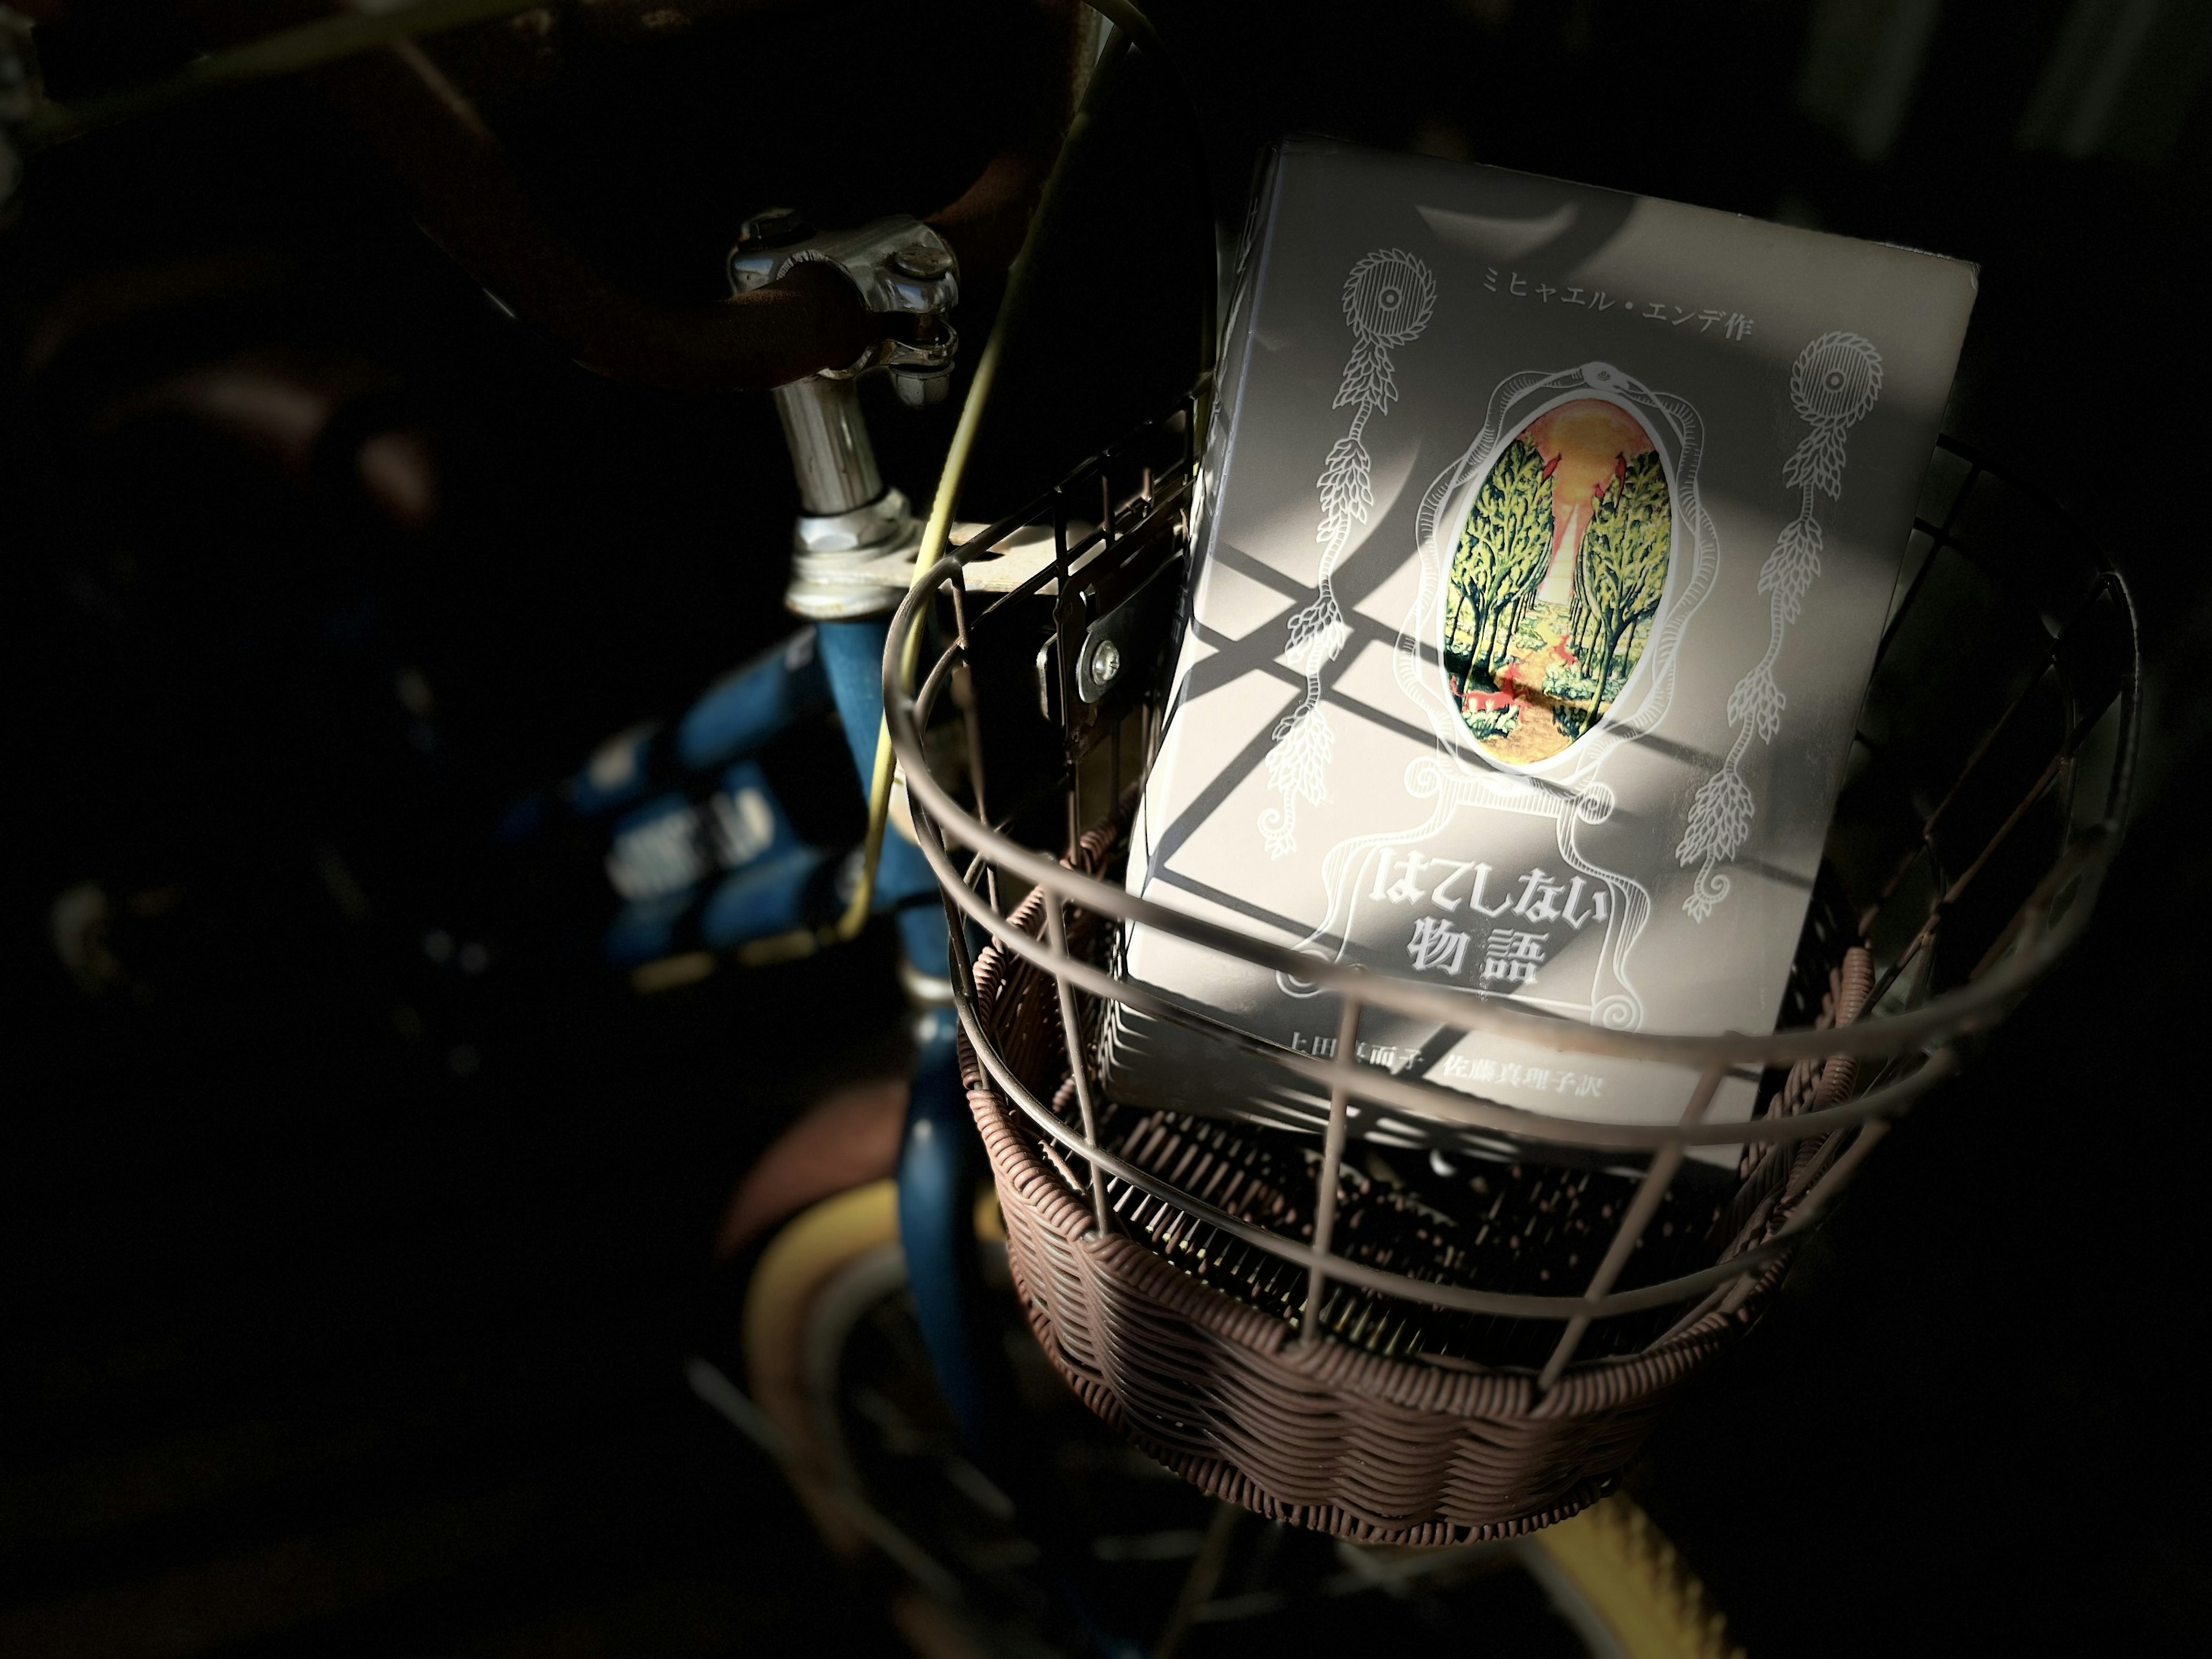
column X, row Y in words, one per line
column 1410, row 1349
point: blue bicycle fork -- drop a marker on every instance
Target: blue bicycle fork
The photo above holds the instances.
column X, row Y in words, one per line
column 941, row 1158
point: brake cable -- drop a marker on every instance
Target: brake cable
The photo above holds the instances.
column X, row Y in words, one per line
column 937, row 531
column 287, row 51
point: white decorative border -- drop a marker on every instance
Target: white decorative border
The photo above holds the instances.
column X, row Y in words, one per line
column 1388, row 300
column 1833, row 384
column 1461, row 774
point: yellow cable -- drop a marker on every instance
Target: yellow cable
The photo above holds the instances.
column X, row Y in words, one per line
column 938, row 530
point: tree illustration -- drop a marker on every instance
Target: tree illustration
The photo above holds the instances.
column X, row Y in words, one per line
column 1578, row 606
column 1502, row 550
column 1621, row 567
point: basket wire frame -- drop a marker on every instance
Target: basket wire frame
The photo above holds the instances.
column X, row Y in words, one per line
column 1900, row 1053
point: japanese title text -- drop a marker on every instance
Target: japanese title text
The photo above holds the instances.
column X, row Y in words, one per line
column 1510, row 954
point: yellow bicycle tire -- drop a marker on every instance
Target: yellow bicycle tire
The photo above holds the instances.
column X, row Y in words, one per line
column 1628, row 1573
column 1611, row 1565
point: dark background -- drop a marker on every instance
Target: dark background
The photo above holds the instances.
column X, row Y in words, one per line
column 345, row 1290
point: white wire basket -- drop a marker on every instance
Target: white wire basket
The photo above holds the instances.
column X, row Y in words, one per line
column 1291, row 1320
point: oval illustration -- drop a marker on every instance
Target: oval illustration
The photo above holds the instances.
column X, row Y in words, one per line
column 1555, row 578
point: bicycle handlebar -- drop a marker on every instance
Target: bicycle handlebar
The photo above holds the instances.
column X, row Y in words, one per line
column 469, row 198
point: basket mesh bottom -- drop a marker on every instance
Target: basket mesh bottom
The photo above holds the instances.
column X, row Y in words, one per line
column 1412, row 1424
column 1518, row 1227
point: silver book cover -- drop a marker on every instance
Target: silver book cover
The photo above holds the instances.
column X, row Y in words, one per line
column 1545, row 542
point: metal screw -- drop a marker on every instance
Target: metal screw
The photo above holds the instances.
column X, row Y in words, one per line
column 1105, row 663
column 922, row 262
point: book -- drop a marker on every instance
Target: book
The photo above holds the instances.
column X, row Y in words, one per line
column 1545, row 540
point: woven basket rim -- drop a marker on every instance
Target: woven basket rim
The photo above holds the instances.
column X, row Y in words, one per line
column 2049, row 922
column 1495, row 1417
column 1458, row 1386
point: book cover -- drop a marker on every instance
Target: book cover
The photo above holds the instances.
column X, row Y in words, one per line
column 1545, row 542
